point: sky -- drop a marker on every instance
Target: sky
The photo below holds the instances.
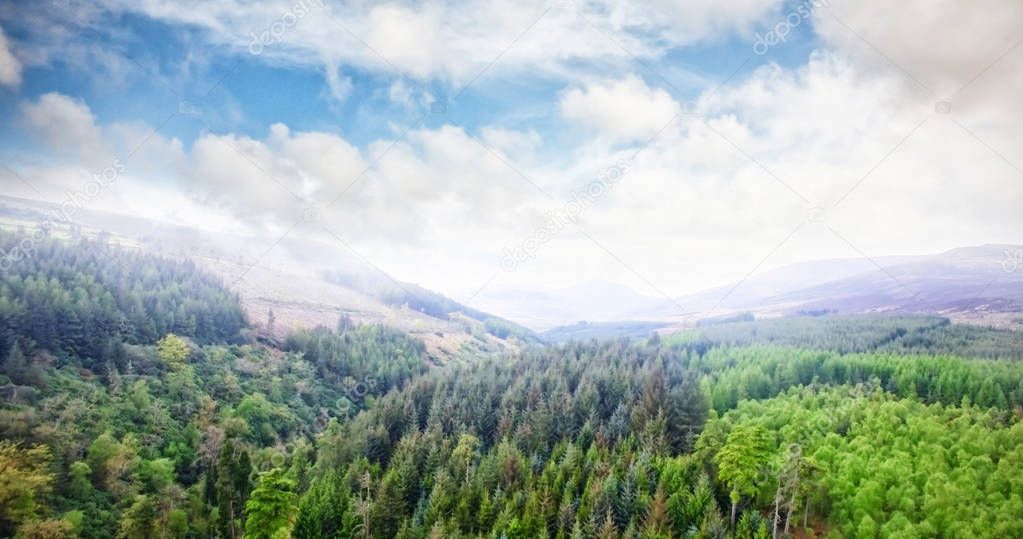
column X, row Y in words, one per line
column 666, row 145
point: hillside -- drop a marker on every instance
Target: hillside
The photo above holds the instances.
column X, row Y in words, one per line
column 301, row 294
column 131, row 382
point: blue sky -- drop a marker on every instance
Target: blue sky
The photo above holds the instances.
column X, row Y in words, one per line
column 540, row 99
column 164, row 63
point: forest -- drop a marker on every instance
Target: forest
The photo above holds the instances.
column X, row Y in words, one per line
column 136, row 401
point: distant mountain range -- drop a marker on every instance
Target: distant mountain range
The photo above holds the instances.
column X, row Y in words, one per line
column 979, row 285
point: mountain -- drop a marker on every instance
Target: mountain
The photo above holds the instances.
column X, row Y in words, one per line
column 967, row 284
column 305, row 283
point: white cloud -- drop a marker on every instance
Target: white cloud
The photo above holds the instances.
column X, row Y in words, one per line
column 10, row 67
column 517, row 144
column 703, row 204
column 432, row 178
column 407, row 38
column 969, row 55
column 689, row 21
column 695, row 211
column 943, row 44
column 58, row 36
column 624, row 109
column 66, row 125
column 339, row 85
column 456, row 41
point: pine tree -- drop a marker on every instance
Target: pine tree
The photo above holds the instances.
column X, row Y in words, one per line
column 16, row 366
column 744, row 454
column 658, row 523
column 607, row 529
column 271, row 506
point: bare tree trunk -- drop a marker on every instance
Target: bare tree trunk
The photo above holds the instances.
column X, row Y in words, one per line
column 806, row 511
column 774, row 518
column 230, row 515
column 788, row 511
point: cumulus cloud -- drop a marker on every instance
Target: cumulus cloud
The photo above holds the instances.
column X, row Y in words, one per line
column 432, row 178
column 719, row 195
column 625, row 109
column 965, row 58
column 66, row 125
column 10, row 67
column 943, row 44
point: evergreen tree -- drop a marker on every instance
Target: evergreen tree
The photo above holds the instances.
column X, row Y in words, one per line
column 740, row 461
column 271, row 506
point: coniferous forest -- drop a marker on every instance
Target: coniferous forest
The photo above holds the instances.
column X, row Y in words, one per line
column 137, row 402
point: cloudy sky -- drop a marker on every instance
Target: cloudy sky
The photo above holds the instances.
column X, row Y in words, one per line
column 720, row 138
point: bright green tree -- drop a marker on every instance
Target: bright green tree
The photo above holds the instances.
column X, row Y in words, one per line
column 271, row 507
column 746, row 451
column 24, row 478
column 173, row 350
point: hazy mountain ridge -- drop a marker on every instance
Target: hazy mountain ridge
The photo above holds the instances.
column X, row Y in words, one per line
column 967, row 284
column 294, row 285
